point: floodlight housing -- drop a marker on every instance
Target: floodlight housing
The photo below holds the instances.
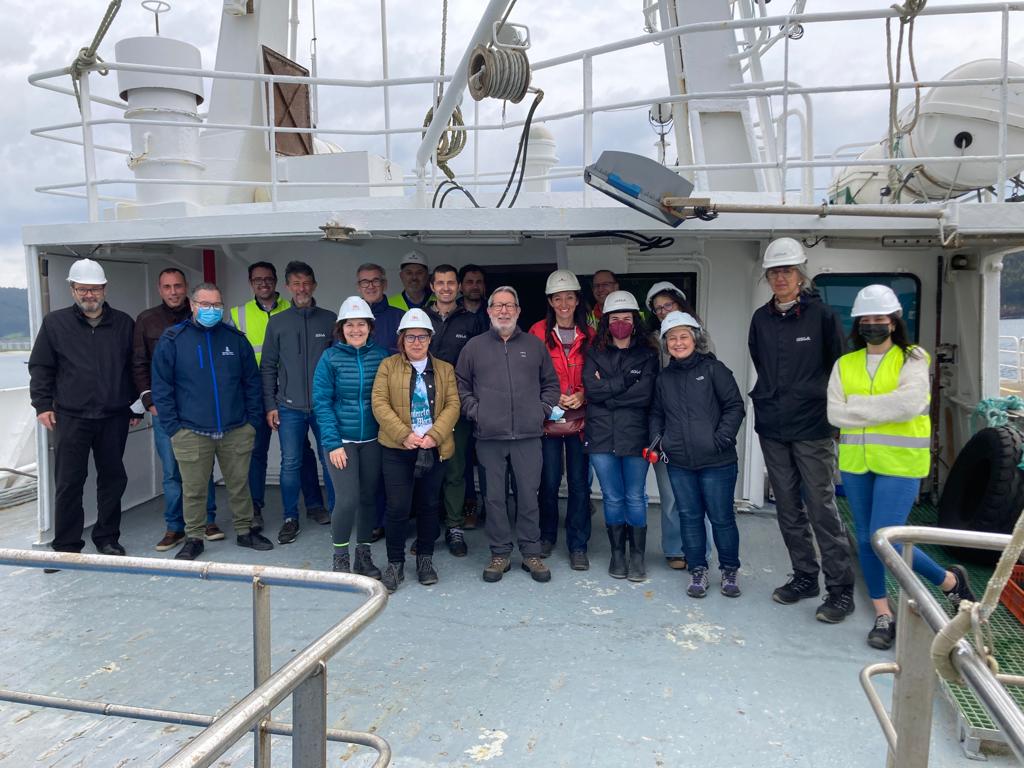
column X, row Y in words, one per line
column 639, row 182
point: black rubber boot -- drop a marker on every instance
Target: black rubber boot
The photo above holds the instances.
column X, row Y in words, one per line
column 617, row 539
column 637, row 545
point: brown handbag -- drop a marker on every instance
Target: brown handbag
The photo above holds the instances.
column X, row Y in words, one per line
column 570, row 424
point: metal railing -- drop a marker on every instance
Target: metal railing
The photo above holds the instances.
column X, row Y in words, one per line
column 919, row 617
column 1011, row 359
column 303, row 677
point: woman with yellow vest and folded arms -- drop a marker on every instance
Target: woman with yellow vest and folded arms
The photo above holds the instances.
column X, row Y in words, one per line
column 879, row 395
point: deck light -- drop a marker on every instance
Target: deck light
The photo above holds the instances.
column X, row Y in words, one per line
column 638, row 182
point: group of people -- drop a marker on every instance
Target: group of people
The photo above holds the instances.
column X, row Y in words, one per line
column 403, row 395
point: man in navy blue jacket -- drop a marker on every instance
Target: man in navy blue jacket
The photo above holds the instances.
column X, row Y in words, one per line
column 206, row 388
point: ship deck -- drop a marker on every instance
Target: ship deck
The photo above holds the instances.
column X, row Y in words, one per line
column 585, row 670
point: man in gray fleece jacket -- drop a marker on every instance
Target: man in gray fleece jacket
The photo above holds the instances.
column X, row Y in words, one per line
column 508, row 388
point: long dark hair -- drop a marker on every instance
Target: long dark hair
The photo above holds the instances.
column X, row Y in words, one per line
column 900, row 336
column 579, row 319
column 639, row 336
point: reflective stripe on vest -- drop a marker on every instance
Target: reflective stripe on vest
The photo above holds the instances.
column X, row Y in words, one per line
column 900, row 449
column 251, row 319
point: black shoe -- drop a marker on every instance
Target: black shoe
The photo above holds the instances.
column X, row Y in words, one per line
column 393, row 575
column 111, row 548
column 254, row 540
column 341, row 563
column 637, row 570
column 51, row 570
column 800, row 586
column 425, row 570
column 456, row 542
column 376, row 535
column 617, row 539
column 319, row 516
column 961, row 590
column 883, row 634
column 190, row 550
column 289, row 531
column 837, row 606
column 546, row 548
column 579, row 561
column 363, row 565
column 257, row 518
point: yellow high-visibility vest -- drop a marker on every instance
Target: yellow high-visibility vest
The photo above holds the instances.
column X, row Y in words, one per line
column 899, row 449
column 251, row 319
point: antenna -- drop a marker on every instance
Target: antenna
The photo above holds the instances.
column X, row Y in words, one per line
column 156, row 7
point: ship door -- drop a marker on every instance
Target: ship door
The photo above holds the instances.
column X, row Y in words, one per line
column 529, row 281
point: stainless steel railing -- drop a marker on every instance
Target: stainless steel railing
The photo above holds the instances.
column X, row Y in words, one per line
column 304, row 677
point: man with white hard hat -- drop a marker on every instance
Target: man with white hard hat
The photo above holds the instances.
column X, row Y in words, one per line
column 82, row 389
column 414, row 274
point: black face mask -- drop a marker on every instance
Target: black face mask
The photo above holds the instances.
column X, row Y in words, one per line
column 875, row 333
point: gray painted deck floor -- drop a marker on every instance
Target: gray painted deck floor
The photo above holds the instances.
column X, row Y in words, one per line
column 585, row 670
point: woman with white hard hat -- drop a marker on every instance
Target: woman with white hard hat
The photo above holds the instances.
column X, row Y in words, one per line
column 566, row 335
column 878, row 395
column 416, row 403
column 342, row 384
column 618, row 376
column 696, row 413
column 794, row 340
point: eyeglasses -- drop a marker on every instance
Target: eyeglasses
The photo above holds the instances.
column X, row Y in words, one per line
column 263, row 280
column 504, row 306
column 376, row 282
column 664, row 308
column 605, row 285
column 209, row 305
column 418, row 338
column 89, row 291
column 780, row 272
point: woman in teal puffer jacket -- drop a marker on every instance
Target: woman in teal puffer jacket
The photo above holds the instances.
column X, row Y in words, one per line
column 342, row 386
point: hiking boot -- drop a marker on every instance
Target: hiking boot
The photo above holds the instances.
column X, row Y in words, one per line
column 341, row 563
column 538, row 571
column 363, row 565
column 676, row 562
column 456, row 542
column 170, row 540
column 729, row 586
column 192, row 549
column 254, row 540
column 637, row 571
column 289, row 531
column 376, row 535
column 257, row 518
column 838, row 604
column 470, row 520
column 883, row 634
column 961, row 590
column 213, row 532
column 799, row 587
column 425, row 570
column 698, row 582
column 546, row 548
column 579, row 561
column 499, row 564
column 319, row 516
column 393, row 575
column 617, row 540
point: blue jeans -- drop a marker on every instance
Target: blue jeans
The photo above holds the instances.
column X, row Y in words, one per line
column 707, row 491
column 577, row 512
column 292, row 431
column 877, row 501
column 671, row 526
column 174, row 516
column 623, row 482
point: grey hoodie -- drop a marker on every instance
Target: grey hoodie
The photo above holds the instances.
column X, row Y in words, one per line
column 295, row 340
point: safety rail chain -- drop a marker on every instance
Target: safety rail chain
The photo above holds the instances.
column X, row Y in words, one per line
column 304, row 676
column 919, row 618
column 784, row 89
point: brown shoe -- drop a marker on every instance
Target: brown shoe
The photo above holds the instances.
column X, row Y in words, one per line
column 500, row 564
column 170, row 540
column 537, row 569
column 471, row 519
column 213, row 533
column 676, row 563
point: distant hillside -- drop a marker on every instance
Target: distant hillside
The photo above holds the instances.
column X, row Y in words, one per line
column 1013, row 286
column 13, row 313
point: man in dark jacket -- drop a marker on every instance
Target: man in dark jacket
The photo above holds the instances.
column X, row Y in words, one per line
column 150, row 325
column 81, row 387
column 206, row 388
column 372, row 284
column 454, row 326
column 508, row 387
column 794, row 341
column 291, row 350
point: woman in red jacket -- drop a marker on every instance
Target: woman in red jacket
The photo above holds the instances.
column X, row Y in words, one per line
column 566, row 335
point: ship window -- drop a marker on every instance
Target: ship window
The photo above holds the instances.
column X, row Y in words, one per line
column 839, row 291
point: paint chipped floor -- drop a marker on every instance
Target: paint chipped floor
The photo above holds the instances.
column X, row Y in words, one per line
column 582, row 671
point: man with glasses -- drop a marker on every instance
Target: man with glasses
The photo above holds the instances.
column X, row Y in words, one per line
column 81, row 387
column 372, row 284
column 508, row 387
column 602, row 283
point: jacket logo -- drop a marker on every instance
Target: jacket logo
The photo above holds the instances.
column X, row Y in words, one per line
column 636, row 372
column 460, row 336
column 522, row 355
column 227, row 352
column 803, row 338
column 319, row 335
column 699, row 378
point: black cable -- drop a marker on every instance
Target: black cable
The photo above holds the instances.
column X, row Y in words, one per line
column 521, row 152
column 646, row 243
column 433, row 203
column 455, row 186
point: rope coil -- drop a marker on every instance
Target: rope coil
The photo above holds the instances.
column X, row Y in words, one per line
column 498, row 73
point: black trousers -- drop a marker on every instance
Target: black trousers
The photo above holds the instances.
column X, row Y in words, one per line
column 74, row 438
column 404, row 493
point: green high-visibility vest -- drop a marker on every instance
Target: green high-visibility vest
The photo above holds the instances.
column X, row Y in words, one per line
column 899, row 449
column 251, row 319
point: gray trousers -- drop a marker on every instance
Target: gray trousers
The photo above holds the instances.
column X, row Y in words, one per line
column 355, row 493
column 525, row 456
column 801, row 474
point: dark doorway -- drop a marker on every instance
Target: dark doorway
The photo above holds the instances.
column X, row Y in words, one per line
column 638, row 283
column 528, row 280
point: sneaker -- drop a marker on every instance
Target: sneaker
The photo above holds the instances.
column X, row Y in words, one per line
column 257, row 518
column 546, row 548
column 729, row 586
column 698, row 582
column 499, row 564
column 192, row 549
column 961, row 590
column 579, row 561
column 393, row 575
column 170, row 540
column 538, row 571
column 254, row 540
column 838, row 604
column 319, row 516
column 425, row 570
column 363, row 565
column 213, row 532
column 883, row 633
column 289, row 531
column 456, row 542
column 676, row 562
column 340, row 562
column 799, row 587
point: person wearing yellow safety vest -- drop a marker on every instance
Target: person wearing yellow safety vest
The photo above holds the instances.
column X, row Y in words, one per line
column 878, row 396
column 415, row 275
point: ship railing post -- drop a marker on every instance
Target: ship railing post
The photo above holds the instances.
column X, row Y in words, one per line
column 261, row 663
column 588, row 119
column 309, row 721
column 784, row 137
column 1004, row 98
column 384, row 74
column 89, row 152
column 272, row 120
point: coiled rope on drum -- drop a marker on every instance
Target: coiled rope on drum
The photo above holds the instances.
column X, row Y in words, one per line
column 453, row 138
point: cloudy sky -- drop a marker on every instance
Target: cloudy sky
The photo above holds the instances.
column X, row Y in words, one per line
column 43, row 36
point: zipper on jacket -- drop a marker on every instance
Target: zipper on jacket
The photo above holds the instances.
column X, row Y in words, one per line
column 362, row 415
column 199, row 354
column 511, row 392
column 216, row 394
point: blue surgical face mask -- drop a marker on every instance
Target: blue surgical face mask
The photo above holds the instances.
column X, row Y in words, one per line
column 209, row 316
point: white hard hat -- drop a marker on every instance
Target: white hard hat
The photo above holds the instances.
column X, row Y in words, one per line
column 875, row 300
column 783, row 252
column 561, row 280
column 620, row 301
column 414, row 257
column 87, row 272
column 677, row 319
column 661, row 287
column 415, row 318
column 354, row 308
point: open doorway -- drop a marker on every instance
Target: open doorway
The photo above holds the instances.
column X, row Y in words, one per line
column 528, row 280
